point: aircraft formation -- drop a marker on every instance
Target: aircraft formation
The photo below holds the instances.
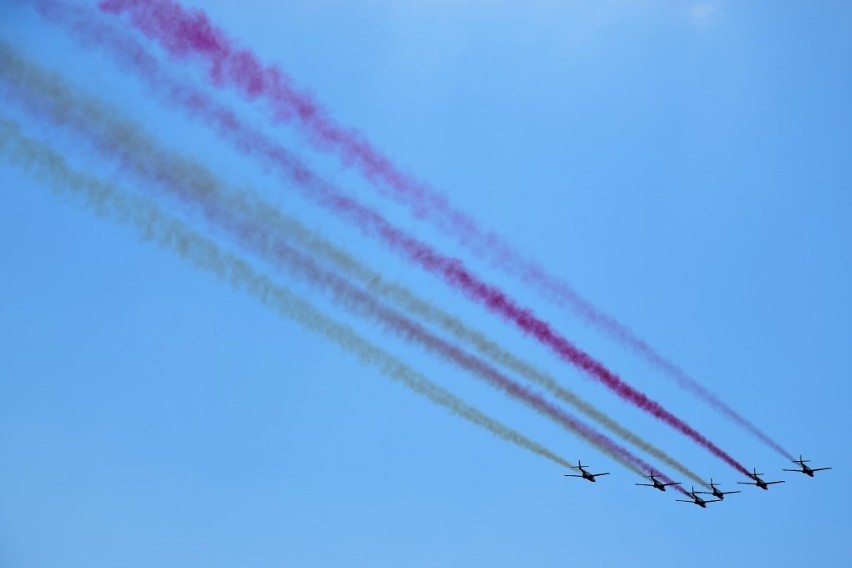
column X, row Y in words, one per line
column 259, row 237
column 717, row 493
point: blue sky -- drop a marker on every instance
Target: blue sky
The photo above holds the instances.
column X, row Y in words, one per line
column 682, row 164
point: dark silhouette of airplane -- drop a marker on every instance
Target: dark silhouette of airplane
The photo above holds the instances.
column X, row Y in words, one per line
column 585, row 474
column 805, row 469
column 757, row 481
column 656, row 483
column 716, row 492
column 696, row 500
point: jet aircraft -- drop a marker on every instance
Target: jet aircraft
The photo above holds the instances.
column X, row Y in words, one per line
column 656, row 483
column 585, row 474
column 716, row 492
column 805, row 469
column 758, row 482
column 696, row 500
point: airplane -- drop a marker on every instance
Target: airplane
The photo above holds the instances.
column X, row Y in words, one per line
column 805, row 469
column 716, row 492
column 585, row 474
column 757, row 481
column 656, row 484
column 696, row 500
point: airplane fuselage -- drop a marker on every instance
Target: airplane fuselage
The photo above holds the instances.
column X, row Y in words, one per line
column 588, row 476
column 809, row 471
column 584, row 474
column 657, row 484
column 699, row 501
column 758, row 482
column 696, row 500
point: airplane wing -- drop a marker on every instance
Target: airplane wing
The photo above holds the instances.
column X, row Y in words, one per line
column 712, row 500
column 747, row 482
column 599, row 474
column 798, row 470
column 646, row 484
column 730, row 492
column 704, row 492
column 684, row 501
column 773, row 482
column 571, row 475
column 672, row 483
column 820, row 468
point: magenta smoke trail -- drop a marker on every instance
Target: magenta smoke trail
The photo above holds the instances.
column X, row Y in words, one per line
column 128, row 147
column 253, row 143
column 153, row 225
column 184, row 33
column 253, row 238
column 47, row 96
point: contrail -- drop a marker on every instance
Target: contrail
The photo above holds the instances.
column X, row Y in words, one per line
column 46, row 94
column 50, row 168
column 272, row 155
column 185, row 33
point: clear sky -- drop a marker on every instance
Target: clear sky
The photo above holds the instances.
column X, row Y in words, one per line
column 685, row 165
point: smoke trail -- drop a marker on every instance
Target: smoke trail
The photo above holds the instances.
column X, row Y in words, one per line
column 401, row 296
column 254, row 144
column 256, row 224
column 50, row 168
column 185, row 33
column 298, row 265
column 406, row 299
column 141, row 154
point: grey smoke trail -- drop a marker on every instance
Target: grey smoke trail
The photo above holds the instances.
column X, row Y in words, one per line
column 48, row 94
column 50, row 168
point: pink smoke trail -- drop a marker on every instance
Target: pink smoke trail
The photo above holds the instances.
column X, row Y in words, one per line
column 311, row 186
column 253, row 238
column 185, row 33
column 50, row 168
column 218, row 210
column 45, row 95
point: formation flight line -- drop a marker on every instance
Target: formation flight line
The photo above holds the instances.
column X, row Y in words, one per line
column 80, row 143
column 717, row 493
